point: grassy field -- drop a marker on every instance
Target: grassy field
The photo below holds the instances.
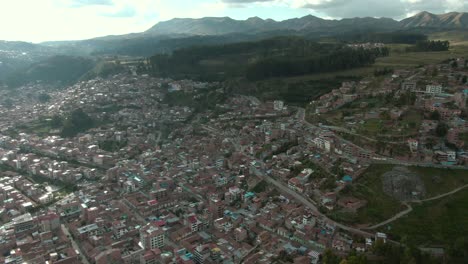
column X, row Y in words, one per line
column 454, row 36
column 381, row 206
column 439, row 181
column 434, row 223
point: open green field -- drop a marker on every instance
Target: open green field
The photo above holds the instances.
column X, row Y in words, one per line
column 372, row 127
column 381, row 206
column 369, row 187
column 440, row 181
column 455, row 37
column 434, row 223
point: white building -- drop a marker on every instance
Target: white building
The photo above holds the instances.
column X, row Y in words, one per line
column 278, row 105
column 152, row 236
column 322, row 143
column 434, row 89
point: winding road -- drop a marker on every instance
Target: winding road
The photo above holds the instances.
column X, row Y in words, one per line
column 309, row 203
column 312, row 205
column 410, row 208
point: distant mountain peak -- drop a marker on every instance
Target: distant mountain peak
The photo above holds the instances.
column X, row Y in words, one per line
column 427, row 19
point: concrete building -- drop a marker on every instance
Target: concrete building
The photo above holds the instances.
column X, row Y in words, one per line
column 152, row 236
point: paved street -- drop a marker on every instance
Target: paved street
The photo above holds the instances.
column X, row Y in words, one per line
column 74, row 244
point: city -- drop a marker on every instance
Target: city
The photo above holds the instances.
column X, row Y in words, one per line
column 241, row 181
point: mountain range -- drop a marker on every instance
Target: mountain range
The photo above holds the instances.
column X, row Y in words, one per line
column 225, row 25
column 167, row 36
column 183, row 32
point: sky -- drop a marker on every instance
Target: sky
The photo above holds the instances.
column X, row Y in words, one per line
column 53, row 20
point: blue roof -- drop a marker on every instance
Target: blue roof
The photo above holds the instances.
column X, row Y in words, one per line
column 249, row 194
column 347, row 178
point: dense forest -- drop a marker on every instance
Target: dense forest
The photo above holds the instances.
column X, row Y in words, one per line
column 433, row 45
column 342, row 59
column 275, row 57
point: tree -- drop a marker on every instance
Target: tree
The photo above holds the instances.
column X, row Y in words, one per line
column 8, row 103
column 441, row 129
column 435, row 115
column 56, row 121
column 330, row 258
column 361, row 259
column 43, row 98
column 77, row 122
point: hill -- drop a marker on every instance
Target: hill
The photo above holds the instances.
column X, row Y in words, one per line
column 60, row 69
column 452, row 20
column 306, row 24
column 166, row 36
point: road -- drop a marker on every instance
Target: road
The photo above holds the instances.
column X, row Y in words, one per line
column 74, row 244
column 419, row 164
column 385, row 160
column 395, row 217
column 309, row 203
column 196, row 195
column 248, row 253
column 347, row 131
column 136, row 213
column 443, row 195
column 302, row 117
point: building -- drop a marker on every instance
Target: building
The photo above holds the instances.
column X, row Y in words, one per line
column 202, row 254
column 434, row 89
column 322, row 143
column 409, row 86
column 240, row 234
column 278, row 105
column 89, row 230
column 49, row 222
column 413, row 144
column 23, row 223
column 152, row 236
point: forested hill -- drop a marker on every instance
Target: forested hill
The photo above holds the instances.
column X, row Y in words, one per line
column 61, row 69
column 275, row 57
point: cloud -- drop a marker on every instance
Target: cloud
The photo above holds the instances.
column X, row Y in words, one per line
column 244, row 1
column 362, row 8
column 357, row 8
column 82, row 3
column 127, row 11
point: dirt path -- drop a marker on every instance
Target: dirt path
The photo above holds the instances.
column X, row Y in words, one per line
column 410, row 208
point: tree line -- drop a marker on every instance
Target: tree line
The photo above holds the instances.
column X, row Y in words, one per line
column 345, row 58
column 387, row 37
column 431, row 45
column 276, row 57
